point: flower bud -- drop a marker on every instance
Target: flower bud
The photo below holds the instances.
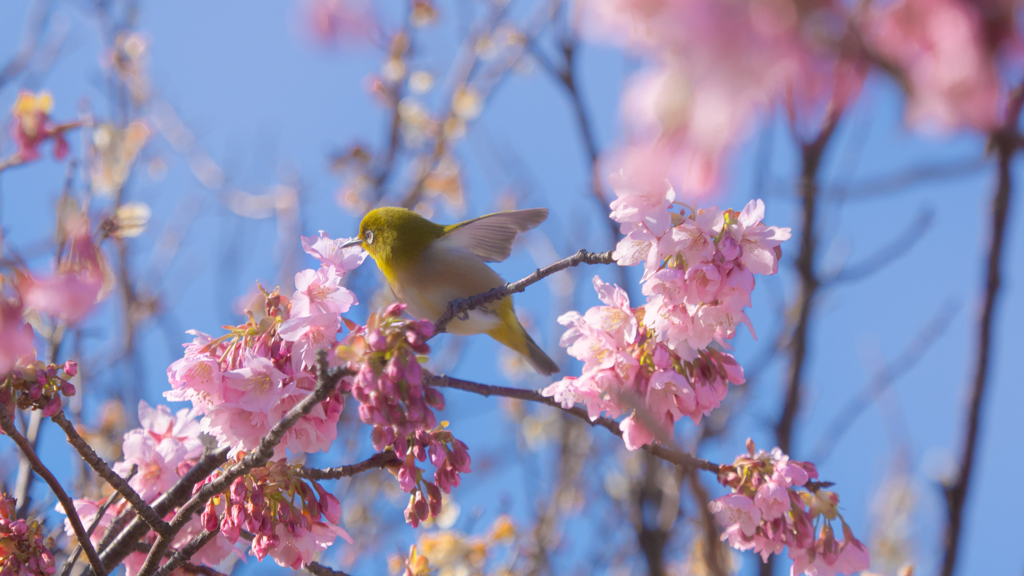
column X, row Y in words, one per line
column 53, row 406
column 434, row 397
column 70, row 368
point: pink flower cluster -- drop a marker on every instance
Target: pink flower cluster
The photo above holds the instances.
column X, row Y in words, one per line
column 655, row 361
column 163, row 449
column 949, row 54
column 713, row 66
column 776, row 503
column 698, row 269
column 244, row 382
column 24, row 551
column 32, row 385
column 263, row 503
column 394, row 398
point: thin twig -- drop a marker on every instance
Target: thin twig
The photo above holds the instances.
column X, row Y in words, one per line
column 458, row 307
column 69, row 505
column 378, row 460
column 1005, row 142
column 116, row 482
column 669, row 455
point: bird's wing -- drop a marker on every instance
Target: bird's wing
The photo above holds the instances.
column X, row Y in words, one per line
column 490, row 237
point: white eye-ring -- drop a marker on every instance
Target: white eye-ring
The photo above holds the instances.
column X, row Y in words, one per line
column 369, row 237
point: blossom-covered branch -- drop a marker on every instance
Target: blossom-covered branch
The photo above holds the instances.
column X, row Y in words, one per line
column 327, row 381
column 463, row 305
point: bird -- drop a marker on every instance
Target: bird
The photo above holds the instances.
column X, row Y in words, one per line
column 427, row 265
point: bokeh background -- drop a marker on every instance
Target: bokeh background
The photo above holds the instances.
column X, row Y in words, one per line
column 253, row 114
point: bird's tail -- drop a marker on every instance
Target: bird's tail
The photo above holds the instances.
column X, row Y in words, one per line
column 513, row 335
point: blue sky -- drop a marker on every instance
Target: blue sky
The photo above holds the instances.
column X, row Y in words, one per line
column 270, row 106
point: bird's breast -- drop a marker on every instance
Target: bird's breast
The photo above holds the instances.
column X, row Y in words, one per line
column 444, row 274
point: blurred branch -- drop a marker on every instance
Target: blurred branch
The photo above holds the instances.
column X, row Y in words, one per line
column 458, row 308
column 669, row 455
column 811, row 155
column 30, row 42
column 69, row 505
column 714, row 559
column 882, row 185
column 886, row 255
column 1005, row 144
column 884, row 377
column 567, row 77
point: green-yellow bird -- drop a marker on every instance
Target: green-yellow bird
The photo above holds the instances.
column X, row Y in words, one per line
column 428, row 265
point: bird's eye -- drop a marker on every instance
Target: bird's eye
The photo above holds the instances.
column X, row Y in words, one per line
column 369, row 237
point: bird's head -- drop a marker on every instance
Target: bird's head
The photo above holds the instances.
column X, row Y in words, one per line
column 396, row 235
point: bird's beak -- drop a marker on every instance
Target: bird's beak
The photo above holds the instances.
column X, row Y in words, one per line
column 353, row 242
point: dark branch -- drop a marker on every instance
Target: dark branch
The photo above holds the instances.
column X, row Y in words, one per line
column 812, row 153
column 185, row 552
column 457, row 308
column 321, row 570
column 117, row 543
column 69, row 505
column 327, row 381
column 1005, row 142
column 112, row 478
column 379, row 460
column 667, row 454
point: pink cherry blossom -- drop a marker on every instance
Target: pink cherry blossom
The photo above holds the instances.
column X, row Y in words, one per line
column 331, row 254
column 740, row 517
column 772, row 500
column 16, row 334
column 309, row 335
column 320, row 292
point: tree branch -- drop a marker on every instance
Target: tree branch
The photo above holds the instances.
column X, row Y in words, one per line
column 459, row 307
column 321, row 570
column 185, row 552
column 116, row 482
column 667, row 454
column 812, row 153
column 378, row 460
column 327, row 381
column 1005, row 142
column 117, row 544
column 69, row 505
